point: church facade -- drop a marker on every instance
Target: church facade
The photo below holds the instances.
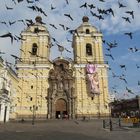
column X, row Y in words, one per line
column 61, row 88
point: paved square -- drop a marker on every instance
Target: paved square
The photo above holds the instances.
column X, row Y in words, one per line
column 65, row 130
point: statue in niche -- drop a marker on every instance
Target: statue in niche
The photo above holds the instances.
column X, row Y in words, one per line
column 60, row 83
column 54, row 86
column 66, row 85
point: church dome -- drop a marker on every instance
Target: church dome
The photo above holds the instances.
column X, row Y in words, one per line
column 86, row 26
column 85, row 19
column 38, row 19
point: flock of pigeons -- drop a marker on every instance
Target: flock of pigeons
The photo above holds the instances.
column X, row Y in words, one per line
column 95, row 11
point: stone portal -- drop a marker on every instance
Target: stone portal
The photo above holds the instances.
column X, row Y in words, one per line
column 61, row 96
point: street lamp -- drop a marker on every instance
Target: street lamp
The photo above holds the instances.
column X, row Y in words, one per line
column 34, row 106
column 33, row 117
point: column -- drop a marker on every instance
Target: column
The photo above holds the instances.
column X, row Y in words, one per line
column 69, row 107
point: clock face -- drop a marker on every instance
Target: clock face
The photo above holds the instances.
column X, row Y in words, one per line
column 61, row 49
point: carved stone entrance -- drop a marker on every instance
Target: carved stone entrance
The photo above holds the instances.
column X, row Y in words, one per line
column 61, row 108
column 61, row 95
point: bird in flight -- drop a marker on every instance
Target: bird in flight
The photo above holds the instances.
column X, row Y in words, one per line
column 126, row 19
column 68, row 15
column 131, row 13
column 129, row 34
column 123, row 67
column 137, row 66
column 91, row 6
column 129, row 90
column 102, row 0
column 52, row 8
column 8, row 8
column 84, row 5
column 121, row 5
column 112, row 45
column 110, row 55
column 110, row 10
column 133, row 49
column 67, row 1
column 53, row 26
column 8, row 35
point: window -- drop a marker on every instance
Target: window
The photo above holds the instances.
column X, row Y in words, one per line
column 61, row 66
column 88, row 49
column 33, row 62
column 32, row 87
column 34, row 49
column 31, row 98
column 30, row 108
column 0, row 109
column 87, row 31
column 36, row 30
column 36, row 107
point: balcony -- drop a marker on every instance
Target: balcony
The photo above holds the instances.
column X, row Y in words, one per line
column 4, row 94
column 4, row 91
column 32, row 62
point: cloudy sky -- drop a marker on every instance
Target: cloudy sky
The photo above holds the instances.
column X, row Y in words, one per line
column 112, row 27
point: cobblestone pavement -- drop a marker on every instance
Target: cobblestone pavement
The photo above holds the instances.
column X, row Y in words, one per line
column 65, row 130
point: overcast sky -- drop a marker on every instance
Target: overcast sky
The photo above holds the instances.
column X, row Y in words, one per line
column 112, row 27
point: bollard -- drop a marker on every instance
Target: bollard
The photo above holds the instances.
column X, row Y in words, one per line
column 103, row 123
column 84, row 118
column 110, row 123
column 119, row 122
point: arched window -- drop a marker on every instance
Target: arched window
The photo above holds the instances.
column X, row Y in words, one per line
column 87, row 31
column 88, row 49
column 34, row 49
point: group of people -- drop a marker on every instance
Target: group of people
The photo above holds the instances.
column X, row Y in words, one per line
column 63, row 116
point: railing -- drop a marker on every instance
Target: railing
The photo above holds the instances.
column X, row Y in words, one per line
column 109, row 124
column 121, row 123
column 33, row 62
column 45, row 61
column 4, row 91
column 93, row 62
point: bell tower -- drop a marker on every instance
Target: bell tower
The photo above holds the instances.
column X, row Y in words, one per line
column 33, row 68
column 91, row 83
column 87, row 43
column 35, row 42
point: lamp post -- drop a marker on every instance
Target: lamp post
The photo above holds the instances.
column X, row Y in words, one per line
column 33, row 117
column 110, row 121
column 34, row 106
column 98, row 107
column 109, row 110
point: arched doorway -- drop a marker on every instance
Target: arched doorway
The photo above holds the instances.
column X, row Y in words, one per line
column 61, row 108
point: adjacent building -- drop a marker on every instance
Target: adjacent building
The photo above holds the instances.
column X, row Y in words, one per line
column 8, row 83
column 126, row 107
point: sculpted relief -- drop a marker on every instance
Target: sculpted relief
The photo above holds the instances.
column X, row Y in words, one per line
column 61, row 87
column 61, row 78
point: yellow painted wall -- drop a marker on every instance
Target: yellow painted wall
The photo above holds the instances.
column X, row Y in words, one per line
column 87, row 104
column 33, row 71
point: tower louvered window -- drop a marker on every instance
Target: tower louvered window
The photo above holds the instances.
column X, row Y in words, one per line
column 34, row 49
column 89, row 49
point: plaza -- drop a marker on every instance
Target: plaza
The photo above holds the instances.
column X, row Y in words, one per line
column 65, row 130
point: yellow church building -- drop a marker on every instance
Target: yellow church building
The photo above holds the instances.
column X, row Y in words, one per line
column 61, row 88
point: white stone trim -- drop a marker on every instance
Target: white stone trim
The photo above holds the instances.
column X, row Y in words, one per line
column 33, row 67
column 79, row 65
column 84, row 65
column 33, row 77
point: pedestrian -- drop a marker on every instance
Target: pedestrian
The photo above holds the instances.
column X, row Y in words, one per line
column 59, row 116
